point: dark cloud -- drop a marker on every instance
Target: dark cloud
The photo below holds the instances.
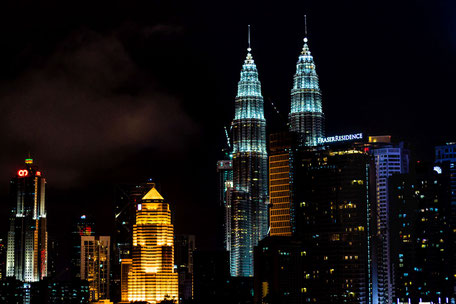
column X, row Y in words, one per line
column 89, row 101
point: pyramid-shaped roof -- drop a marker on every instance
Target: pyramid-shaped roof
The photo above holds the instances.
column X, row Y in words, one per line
column 153, row 194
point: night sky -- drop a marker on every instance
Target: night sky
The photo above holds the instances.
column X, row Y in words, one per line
column 111, row 92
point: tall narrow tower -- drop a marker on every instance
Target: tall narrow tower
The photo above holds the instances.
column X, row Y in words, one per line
column 152, row 278
column 27, row 252
column 249, row 219
column 306, row 115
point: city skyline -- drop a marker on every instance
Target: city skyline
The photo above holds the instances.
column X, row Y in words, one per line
column 276, row 48
column 99, row 104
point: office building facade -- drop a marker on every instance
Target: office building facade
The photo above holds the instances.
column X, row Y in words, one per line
column 280, row 183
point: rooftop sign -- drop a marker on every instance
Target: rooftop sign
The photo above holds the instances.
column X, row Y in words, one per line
column 339, row 138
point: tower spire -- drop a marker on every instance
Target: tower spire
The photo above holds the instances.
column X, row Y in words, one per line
column 305, row 25
column 249, row 49
column 305, row 28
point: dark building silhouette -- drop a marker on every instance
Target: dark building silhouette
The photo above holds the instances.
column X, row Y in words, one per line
column 213, row 283
column 279, row 271
column 184, row 246
column 420, row 214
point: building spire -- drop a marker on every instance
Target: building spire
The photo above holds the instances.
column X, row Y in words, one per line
column 305, row 49
column 249, row 49
column 305, row 26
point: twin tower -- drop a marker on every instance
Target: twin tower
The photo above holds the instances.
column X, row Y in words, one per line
column 249, row 197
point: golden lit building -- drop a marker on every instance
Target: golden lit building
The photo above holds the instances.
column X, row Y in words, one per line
column 279, row 184
column 152, row 277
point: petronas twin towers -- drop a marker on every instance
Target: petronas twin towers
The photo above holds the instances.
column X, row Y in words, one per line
column 249, row 199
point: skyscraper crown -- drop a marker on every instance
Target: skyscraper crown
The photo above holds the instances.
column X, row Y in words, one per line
column 306, row 114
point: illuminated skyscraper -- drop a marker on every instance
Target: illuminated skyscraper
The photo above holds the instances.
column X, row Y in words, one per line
column 27, row 252
column 306, row 115
column 152, row 277
column 249, row 218
column 95, row 265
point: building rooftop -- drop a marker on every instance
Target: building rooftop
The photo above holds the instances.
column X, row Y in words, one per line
column 153, row 194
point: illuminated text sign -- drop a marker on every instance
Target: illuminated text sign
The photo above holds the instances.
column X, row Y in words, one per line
column 339, row 138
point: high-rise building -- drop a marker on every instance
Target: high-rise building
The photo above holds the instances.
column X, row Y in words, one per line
column 334, row 199
column 225, row 185
column 95, row 265
column 421, row 234
column 184, row 246
column 280, row 182
column 306, row 116
column 389, row 159
column 152, row 277
column 27, row 252
column 249, row 212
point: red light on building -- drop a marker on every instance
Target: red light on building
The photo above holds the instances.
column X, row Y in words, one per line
column 366, row 149
column 85, row 231
column 38, row 173
column 22, row 173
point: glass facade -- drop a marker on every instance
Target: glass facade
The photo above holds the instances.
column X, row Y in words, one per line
column 306, row 114
column 249, row 217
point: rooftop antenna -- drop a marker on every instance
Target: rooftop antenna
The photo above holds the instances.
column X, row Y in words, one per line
column 249, row 49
